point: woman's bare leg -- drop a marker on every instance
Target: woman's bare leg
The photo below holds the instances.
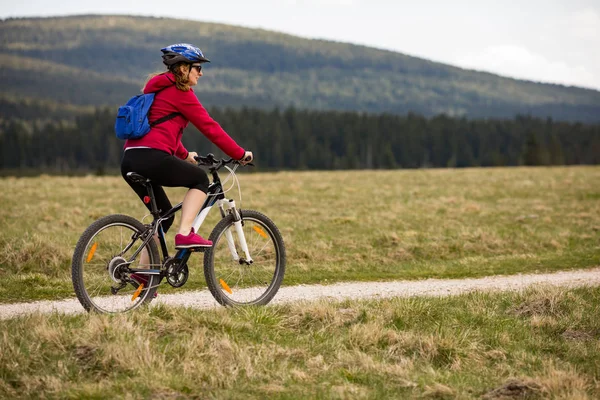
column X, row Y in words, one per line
column 145, row 258
column 192, row 202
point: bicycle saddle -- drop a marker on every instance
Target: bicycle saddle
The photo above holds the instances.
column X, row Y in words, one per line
column 137, row 178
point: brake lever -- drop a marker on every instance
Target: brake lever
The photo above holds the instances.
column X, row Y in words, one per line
column 239, row 162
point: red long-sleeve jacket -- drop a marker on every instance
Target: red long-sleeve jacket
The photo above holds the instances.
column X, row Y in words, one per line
column 167, row 135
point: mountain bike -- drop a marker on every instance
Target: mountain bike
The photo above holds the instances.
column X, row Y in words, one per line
column 244, row 266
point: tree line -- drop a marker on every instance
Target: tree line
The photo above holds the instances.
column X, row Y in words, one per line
column 294, row 139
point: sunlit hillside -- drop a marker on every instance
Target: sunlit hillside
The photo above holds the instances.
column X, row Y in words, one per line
column 103, row 60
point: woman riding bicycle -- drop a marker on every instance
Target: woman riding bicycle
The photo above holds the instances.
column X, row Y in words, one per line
column 161, row 157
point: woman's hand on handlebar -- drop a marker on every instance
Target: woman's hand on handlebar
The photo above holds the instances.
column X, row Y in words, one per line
column 191, row 158
column 248, row 157
column 210, row 161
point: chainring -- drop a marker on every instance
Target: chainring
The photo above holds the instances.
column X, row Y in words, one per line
column 179, row 279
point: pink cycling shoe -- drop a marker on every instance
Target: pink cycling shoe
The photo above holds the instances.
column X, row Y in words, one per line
column 139, row 279
column 192, row 240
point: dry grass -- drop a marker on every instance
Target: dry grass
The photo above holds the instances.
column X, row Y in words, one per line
column 339, row 225
column 471, row 346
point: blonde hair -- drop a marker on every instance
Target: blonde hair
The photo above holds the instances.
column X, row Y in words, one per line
column 181, row 72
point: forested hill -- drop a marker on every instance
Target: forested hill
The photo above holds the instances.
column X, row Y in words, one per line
column 82, row 61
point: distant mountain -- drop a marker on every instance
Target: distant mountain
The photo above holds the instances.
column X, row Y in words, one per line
column 83, row 61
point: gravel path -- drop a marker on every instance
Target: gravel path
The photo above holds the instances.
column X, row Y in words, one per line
column 353, row 290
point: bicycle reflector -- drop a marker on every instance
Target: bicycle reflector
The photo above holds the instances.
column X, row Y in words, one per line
column 260, row 232
column 225, row 286
column 91, row 253
column 146, row 199
column 137, row 292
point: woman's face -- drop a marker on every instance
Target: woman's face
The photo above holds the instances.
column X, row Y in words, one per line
column 195, row 74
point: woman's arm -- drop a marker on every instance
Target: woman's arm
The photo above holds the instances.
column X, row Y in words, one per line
column 190, row 107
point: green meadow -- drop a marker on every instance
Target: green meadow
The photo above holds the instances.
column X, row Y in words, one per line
column 337, row 226
column 543, row 343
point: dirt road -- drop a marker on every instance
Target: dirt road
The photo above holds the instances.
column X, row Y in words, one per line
column 354, row 290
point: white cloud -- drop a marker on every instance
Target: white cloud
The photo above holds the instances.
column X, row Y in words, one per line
column 519, row 62
column 584, row 24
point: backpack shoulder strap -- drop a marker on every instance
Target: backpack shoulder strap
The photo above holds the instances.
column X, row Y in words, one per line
column 165, row 118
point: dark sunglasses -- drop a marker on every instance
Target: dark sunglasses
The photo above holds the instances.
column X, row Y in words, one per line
column 198, row 68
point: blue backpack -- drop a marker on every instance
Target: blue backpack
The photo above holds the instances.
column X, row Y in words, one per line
column 132, row 118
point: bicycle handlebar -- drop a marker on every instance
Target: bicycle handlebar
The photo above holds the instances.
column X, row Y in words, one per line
column 210, row 161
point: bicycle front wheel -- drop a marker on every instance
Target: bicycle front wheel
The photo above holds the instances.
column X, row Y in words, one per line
column 101, row 261
column 232, row 282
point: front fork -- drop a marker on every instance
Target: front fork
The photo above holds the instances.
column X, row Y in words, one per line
column 228, row 206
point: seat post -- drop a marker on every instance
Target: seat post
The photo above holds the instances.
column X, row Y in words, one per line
column 153, row 207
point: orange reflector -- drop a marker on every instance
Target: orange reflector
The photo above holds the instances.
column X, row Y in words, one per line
column 91, row 253
column 260, row 232
column 137, row 292
column 225, row 286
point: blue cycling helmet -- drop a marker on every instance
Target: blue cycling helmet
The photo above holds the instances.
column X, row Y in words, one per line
column 182, row 52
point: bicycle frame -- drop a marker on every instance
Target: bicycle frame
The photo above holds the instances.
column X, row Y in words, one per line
column 215, row 196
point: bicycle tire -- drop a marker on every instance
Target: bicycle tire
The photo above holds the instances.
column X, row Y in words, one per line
column 84, row 254
column 223, row 292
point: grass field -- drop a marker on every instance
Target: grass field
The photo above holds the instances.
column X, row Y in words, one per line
column 338, row 226
column 541, row 344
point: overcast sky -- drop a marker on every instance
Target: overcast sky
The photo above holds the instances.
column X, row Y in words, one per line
column 554, row 41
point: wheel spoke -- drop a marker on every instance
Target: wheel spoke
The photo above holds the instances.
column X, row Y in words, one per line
column 228, row 276
column 250, row 271
column 261, row 250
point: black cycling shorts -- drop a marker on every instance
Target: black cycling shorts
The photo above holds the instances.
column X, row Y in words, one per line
column 163, row 169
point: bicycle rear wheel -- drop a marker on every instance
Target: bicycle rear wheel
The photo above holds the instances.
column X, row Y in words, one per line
column 100, row 265
column 235, row 283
